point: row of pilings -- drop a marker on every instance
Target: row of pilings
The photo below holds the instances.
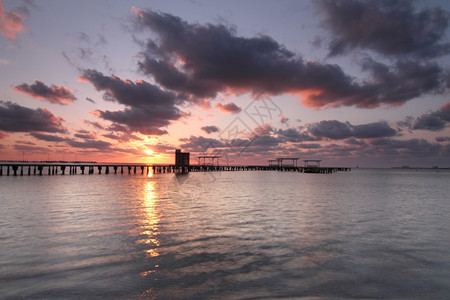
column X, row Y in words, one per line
column 54, row 169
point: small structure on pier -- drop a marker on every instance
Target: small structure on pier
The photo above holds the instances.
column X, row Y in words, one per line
column 181, row 158
column 312, row 163
column 281, row 159
column 210, row 157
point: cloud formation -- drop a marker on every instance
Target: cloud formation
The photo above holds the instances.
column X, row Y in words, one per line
column 200, row 143
column 433, row 121
column 229, row 107
column 149, row 108
column 53, row 93
column 11, row 23
column 337, row 130
column 48, row 137
column 389, row 27
column 3, row 135
column 210, row 129
column 17, row 118
column 204, row 60
column 94, row 144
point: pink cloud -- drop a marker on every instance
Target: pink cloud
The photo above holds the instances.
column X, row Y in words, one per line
column 11, row 23
column 53, row 93
column 3, row 135
column 229, row 107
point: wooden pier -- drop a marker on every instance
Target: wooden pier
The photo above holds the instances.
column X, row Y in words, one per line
column 43, row 168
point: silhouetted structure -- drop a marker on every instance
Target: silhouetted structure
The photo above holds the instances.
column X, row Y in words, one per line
column 312, row 163
column 280, row 161
column 181, row 158
column 211, row 157
column 273, row 162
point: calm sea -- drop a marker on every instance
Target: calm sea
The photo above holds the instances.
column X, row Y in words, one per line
column 368, row 233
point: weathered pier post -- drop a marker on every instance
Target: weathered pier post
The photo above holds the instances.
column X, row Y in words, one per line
column 63, row 169
column 129, row 169
column 7, row 170
column 115, row 169
column 121, row 170
column 142, row 169
column 1, row 170
column 99, row 169
column 15, row 168
column 40, row 170
column 82, row 169
column 134, row 169
column 21, row 170
column 106, row 169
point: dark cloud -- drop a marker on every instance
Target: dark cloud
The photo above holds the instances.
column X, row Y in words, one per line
column 403, row 81
column 264, row 140
column 441, row 139
column 203, row 60
column 119, row 128
column 338, row 130
column 230, row 108
column 199, row 143
column 48, row 137
column 17, row 118
column 331, row 129
column 149, row 108
column 294, row 136
column 94, row 144
column 30, row 148
column 373, row 130
column 53, row 93
column 85, row 134
column 210, row 129
column 433, row 121
column 137, row 119
column 309, row 146
column 429, row 122
column 389, row 27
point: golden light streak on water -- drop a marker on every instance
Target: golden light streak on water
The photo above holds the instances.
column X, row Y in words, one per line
column 151, row 219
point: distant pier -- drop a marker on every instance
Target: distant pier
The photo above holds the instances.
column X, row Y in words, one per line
column 38, row 168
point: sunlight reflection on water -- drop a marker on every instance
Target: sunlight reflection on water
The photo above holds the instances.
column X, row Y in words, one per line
column 361, row 234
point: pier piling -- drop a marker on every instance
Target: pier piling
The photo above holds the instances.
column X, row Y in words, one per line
column 52, row 168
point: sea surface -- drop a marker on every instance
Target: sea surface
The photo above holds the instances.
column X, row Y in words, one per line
column 368, row 233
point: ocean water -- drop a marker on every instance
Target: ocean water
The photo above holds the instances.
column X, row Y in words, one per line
column 368, row 233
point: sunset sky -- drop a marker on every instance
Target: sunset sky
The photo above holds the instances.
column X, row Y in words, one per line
column 352, row 83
